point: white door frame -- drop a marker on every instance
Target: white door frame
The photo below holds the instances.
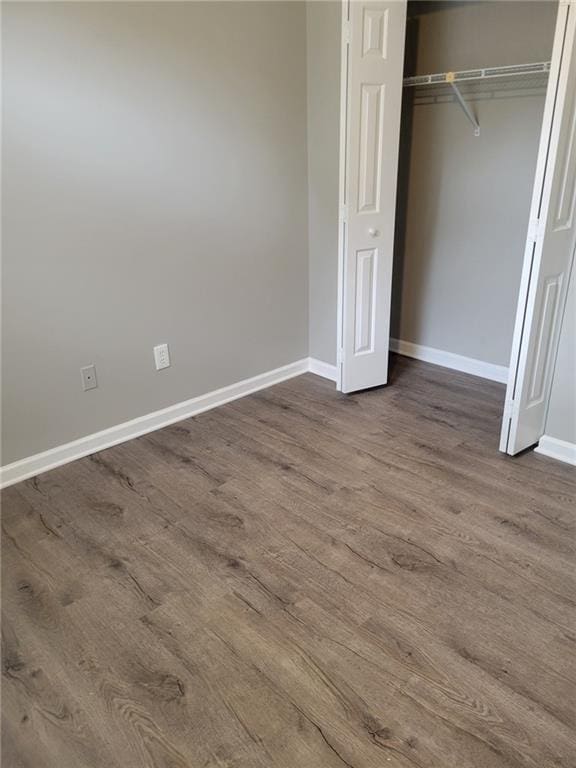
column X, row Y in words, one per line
column 342, row 191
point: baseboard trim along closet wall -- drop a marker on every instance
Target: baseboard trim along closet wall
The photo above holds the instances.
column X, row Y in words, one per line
column 320, row 368
column 557, row 449
column 450, row 360
column 128, row 430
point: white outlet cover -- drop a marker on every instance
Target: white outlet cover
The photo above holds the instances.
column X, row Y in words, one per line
column 88, row 375
column 161, row 356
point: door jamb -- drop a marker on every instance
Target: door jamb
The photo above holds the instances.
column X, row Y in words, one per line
column 342, row 181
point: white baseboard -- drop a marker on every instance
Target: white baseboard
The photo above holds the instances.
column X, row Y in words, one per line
column 320, row 368
column 128, row 430
column 450, row 360
column 557, row 449
column 98, row 441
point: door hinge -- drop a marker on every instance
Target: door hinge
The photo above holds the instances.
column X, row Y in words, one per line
column 533, row 230
column 343, row 213
column 510, row 409
column 339, row 356
column 346, row 32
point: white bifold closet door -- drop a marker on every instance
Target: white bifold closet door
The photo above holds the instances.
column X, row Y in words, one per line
column 549, row 250
column 372, row 69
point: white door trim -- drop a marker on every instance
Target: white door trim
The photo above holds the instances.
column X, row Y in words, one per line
column 342, row 191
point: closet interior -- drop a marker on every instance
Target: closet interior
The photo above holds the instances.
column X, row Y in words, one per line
column 475, row 82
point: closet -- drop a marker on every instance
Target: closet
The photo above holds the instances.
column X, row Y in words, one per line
column 473, row 100
column 446, row 184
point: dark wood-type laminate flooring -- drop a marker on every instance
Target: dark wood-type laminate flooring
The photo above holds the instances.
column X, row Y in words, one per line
column 299, row 579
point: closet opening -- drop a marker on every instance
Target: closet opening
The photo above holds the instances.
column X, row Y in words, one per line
column 482, row 98
column 474, row 88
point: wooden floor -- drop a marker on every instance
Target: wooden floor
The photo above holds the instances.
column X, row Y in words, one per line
column 299, row 579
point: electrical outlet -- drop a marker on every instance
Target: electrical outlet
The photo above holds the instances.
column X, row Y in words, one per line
column 161, row 356
column 88, row 375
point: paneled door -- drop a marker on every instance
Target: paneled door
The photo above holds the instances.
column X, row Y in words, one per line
column 372, row 69
column 549, row 250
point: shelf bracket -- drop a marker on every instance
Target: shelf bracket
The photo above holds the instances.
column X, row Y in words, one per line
column 465, row 107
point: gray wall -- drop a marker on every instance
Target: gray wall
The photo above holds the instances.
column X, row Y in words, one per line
column 464, row 201
column 323, row 52
column 561, row 421
column 154, row 191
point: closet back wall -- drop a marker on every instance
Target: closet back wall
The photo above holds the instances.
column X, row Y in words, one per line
column 464, row 201
column 154, row 190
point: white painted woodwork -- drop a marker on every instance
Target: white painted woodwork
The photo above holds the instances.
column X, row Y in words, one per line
column 373, row 58
column 549, row 251
column 150, row 422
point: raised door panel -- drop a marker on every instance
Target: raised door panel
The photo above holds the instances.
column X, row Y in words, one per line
column 375, row 32
column 364, row 318
column 370, row 165
column 542, row 364
column 565, row 195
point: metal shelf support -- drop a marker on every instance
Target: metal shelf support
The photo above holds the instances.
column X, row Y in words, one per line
column 467, row 111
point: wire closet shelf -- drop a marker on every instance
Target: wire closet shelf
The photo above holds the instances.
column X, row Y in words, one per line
column 486, row 73
column 521, row 74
